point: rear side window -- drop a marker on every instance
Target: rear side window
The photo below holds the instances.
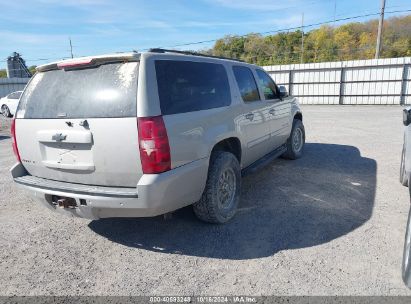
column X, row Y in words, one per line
column 109, row 90
column 246, row 83
column 186, row 86
column 267, row 84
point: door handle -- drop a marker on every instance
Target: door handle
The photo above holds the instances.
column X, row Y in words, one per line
column 249, row 116
column 272, row 111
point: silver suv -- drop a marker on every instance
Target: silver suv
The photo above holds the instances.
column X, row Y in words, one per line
column 405, row 179
column 144, row 134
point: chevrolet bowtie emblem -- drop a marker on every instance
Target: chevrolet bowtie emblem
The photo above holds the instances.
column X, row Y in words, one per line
column 59, row 137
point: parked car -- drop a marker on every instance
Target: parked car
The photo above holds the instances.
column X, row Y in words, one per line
column 9, row 104
column 405, row 178
column 136, row 135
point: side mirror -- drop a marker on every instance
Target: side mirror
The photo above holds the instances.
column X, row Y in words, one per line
column 406, row 117
column 283, row 91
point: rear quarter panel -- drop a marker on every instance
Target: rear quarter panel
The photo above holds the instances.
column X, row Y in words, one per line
column 191, row 135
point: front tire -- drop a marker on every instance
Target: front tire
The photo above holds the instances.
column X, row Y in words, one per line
column 221, row 195
column 295, row 143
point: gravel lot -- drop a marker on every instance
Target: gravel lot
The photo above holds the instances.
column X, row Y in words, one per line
column 331, row 223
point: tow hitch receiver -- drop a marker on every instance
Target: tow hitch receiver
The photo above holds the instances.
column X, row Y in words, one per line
column 64, row 202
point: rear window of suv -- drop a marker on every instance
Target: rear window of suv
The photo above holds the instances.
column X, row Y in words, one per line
column 186, row 86
column 109, row 90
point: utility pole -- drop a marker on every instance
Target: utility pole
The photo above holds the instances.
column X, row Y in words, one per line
column 302, row 39
column 380, row 24
column 71, row 48
column 335, row 11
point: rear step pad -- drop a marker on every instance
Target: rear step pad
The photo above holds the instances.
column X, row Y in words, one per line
column 37, row 182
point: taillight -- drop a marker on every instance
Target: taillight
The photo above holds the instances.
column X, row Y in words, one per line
column 14, row 140
column 154, row 146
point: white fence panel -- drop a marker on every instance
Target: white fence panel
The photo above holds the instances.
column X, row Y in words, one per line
column 407, row 85
column 8, row 85
column 382, row 81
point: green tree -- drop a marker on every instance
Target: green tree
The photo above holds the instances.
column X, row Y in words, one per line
column 229, row 46
column 320, row 45
column 32, row 69
column 347, row 42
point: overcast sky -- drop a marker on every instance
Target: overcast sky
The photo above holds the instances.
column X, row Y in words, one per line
column 40, row 29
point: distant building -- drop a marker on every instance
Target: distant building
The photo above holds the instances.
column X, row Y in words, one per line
column 16, row 67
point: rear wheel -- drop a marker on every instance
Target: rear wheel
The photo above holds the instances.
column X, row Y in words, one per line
column 295, row 143
column 221, row 195
column 5, row 111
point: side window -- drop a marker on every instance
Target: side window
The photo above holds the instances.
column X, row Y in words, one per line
column 267, row 84
column 246, row 83
column 187, row 86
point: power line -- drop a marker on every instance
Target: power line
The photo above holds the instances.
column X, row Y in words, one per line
column 41, row 59
column 244, row 35
column 344, row 13
column 288, row 29
column 296, row 52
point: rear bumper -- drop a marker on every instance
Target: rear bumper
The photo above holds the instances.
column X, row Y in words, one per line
column 155, row 194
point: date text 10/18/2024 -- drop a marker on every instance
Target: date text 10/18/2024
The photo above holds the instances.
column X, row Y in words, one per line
column 203, row 299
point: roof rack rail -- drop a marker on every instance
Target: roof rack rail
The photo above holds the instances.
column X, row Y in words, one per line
column 160, row 50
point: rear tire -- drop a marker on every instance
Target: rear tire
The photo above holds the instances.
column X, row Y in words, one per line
column 5, row 111
column 295, row 143
column 221, row 195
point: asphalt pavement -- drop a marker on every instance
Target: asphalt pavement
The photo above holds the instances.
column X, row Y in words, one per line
column 330, row 223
